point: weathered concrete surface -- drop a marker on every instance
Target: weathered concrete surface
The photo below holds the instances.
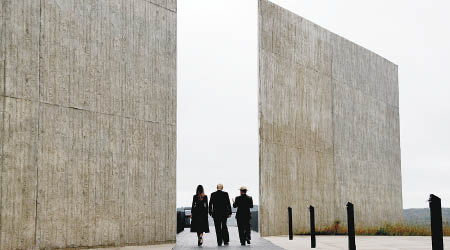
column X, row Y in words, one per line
column 329, row 127
column 88, row 123
column 366, row 135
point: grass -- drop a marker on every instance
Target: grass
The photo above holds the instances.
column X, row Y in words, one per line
column 388, row 230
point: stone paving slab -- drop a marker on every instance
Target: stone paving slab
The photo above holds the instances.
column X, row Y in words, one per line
column 187, row 241
column 362, row 242
column 151, row 247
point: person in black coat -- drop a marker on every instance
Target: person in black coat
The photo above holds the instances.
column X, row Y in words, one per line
column 243, row 215
column 220, row 210
column 199, row 214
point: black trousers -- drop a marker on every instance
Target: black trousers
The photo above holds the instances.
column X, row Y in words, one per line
column 244, row 229
column 221, row 230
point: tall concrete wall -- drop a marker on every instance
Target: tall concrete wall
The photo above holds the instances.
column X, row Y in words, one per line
column 88, row 123
column 329, row 127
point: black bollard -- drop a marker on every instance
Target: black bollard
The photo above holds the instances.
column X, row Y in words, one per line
column 291, row 236
column 436, row 223
column 351, row 226
column 313, row 227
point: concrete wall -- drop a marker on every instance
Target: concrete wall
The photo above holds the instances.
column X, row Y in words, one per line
column 88, row 123
column 329, row 127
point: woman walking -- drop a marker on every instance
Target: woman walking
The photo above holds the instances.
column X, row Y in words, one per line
column 199, row 214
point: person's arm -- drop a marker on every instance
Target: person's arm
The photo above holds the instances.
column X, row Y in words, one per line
column 235, row 205
column 228, row 205
column 251, row 202
column 207, row 210
column 192, row 206
column 211, row 204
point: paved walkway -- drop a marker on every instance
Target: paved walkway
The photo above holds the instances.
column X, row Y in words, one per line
column 362, row 242
column 153, row 247
column 188, row 241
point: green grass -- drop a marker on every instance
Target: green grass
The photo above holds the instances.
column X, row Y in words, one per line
column 388, row 230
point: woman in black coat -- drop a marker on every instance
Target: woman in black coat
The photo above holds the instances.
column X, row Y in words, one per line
column 199, row 214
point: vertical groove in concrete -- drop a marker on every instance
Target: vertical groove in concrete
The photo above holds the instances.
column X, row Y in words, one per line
column 89, row 96
column 336, row 206
column 36, row 243
column 2, row 132
column 329, row 133
column 2, row 104
column 19, row 133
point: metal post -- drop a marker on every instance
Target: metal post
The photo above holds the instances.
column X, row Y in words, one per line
column 351, row 227
column 436, row 223
column 313, row 227
column 290, row 223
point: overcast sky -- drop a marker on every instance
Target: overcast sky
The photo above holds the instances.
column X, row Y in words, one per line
column 217, row 87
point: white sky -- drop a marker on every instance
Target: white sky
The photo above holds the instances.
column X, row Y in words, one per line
column 217, row 87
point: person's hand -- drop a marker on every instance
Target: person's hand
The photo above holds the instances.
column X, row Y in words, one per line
column 232, row 199
column 190, row 216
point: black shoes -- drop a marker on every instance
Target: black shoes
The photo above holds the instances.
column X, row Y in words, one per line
column 200, row 241
column 243, row 242
column 226, row 243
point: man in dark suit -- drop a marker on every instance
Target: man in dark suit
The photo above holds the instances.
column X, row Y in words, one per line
column 243, row 216
column 220, row 210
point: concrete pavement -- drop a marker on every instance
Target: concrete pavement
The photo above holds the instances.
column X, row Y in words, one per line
column 362, row 242
column 152, row 247
column 188, row 241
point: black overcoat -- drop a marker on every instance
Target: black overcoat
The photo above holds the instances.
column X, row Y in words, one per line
column 243, row 204
column 219, row 205
column 199, row 213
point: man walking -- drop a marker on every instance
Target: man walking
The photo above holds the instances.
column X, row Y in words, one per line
column 243, row 216
column 220, row 210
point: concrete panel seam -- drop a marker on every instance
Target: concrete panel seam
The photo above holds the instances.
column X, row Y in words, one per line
column 332, row 121
column 38, row 129
column 3, row 48
column 3, row 86
column 262, row 141
column 2, row 134
column 159, row 6
column 294, row 62
column 91, row 111
column 366, row 94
